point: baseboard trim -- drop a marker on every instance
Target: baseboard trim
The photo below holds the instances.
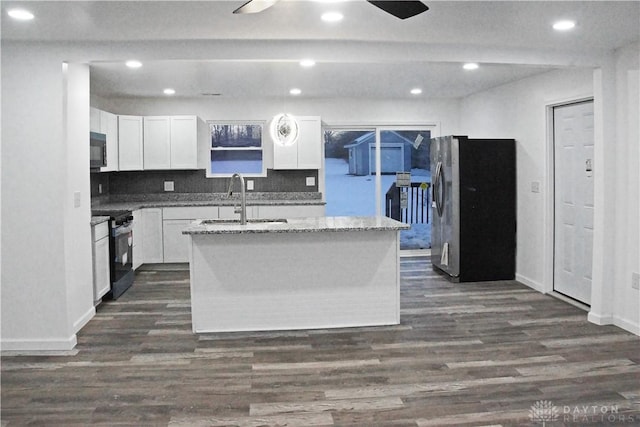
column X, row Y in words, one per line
column 536, row 286
column 599, row 319
column 38, row 344
column 84, row 319
column 618, row 321
column 627, row 325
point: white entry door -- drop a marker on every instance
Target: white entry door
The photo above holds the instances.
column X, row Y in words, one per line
column 573, row 165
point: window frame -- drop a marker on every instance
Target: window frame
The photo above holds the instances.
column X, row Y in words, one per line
column 261, row 149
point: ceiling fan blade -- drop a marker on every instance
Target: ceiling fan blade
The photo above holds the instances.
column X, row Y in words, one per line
column 401, row 9
column 255, row 6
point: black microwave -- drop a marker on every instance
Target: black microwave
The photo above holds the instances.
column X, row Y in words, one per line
column 97, row 150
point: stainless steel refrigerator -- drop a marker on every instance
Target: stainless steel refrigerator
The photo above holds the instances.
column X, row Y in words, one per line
column 473, row 231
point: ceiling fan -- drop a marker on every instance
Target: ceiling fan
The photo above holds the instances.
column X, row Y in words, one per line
column 398, row 8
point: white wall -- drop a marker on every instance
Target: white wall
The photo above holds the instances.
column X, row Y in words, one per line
column 519, row 111
column 627, row 182
column 39, row 304
column 78, row 263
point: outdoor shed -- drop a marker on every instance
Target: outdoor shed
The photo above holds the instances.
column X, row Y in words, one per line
column 395, row 154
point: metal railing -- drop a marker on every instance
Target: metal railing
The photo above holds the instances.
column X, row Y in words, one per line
column 418, row 203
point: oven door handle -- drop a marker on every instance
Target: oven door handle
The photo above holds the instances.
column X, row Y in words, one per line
column 122, row 229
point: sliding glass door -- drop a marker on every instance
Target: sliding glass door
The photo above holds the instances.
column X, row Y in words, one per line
column 381, row 171
column 405, row 182
column 350, row 187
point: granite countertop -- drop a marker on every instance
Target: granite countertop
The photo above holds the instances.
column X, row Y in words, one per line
column 205, row 199
column 296, row 225
column 95, row 220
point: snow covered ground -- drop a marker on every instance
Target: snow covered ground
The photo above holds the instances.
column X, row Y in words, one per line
column 349, row 195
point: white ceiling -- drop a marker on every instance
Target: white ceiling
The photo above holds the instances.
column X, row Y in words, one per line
column 369, row 54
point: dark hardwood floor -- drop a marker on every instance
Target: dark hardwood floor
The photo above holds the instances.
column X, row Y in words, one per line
column 494, row 353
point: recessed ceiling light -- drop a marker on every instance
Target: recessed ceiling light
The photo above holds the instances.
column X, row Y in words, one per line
column 295, row 91
column 133, row 63
column 169, row 91
column 416, row 91
column 563, row 25
column 470, row 66
column 20, row 14
column 307, row 63
column 332, row 17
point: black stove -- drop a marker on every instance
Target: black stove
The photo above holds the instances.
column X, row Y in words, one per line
column 120, row 249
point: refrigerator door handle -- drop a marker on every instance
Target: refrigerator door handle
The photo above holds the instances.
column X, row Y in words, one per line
column 439, row 189
column 435, row 186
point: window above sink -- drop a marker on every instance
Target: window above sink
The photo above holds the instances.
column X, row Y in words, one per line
column 236, row 147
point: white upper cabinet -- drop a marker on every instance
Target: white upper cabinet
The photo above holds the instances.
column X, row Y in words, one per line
column 106, row 123
column 147, row 143
column 109, row 126
column 306, row 153
column 130, row 143
column 184, row 142
column 310, row 143
column 157, row 142
column 94, row 120
column 170, row 142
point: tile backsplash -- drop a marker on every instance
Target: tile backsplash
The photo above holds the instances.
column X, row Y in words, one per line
column 195, row 181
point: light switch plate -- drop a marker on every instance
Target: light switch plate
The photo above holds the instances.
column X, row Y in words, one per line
column 77, row 199
column 311, row 181
column 535, row 186
column 99, row 188
column 168, row 186
column 635, row 280
column 250, row 184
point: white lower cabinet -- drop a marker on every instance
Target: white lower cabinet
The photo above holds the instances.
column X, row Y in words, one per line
column 151, row 231
column 158, row 237
column 174, row 220
column 101, row 269
column 176, row 244
column 137, row 238
column 147, row 237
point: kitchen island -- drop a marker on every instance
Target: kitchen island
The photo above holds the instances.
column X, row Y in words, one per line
column 302, row 273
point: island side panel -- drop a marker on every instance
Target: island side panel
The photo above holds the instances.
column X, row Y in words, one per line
column 281, row 281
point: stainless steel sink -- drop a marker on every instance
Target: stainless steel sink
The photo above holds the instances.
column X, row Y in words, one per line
column 237, row 221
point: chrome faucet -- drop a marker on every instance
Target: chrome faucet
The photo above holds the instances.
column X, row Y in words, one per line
column 243, row 201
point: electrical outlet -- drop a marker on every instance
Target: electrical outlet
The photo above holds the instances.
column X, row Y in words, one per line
column 168, row 186
column 77, row 200
column 311, row 181
column 250, row 184
column 635, row 280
